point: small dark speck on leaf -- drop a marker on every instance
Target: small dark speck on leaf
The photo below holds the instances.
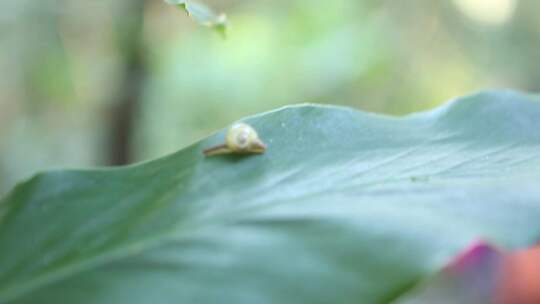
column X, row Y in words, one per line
column 419, row 178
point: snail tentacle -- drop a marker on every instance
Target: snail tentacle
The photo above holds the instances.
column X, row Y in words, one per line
column 216, row 150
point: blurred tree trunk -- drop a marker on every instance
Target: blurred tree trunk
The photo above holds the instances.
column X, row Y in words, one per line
column 129, row 36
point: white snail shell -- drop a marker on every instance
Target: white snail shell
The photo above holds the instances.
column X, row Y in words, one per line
column 241, row 138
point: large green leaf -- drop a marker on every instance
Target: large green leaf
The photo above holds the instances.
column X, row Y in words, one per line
column 345, row 207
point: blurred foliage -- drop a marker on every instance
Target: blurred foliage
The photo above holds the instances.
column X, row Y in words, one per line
column 64, row 66
column 202, row 14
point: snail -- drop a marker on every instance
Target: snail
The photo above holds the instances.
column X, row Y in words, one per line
column 241, row 138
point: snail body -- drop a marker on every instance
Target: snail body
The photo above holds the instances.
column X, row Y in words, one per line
column 241, row 138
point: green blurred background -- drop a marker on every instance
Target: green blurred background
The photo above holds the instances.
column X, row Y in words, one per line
column 109, row 82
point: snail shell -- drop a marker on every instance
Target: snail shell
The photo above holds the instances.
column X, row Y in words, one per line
column 241, row 138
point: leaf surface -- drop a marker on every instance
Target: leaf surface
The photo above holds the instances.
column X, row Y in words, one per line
column 344, row 207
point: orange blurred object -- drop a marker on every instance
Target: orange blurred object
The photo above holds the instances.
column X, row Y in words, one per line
column 483, row 274
column 520, row 281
